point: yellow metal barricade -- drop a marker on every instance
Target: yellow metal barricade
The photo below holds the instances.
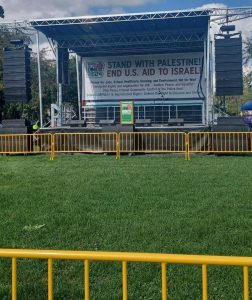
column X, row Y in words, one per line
column 124, row 257
column 153, row 142
column 128, row 142
column 85, row 142
column 220, row 142
column 25, row 143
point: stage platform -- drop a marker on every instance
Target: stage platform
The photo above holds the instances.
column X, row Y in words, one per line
column 120, row 128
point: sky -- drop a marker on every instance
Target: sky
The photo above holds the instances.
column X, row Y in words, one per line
column 37, row 9
column 34, row 9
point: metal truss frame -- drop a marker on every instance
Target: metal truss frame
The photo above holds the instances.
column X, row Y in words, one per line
column 230, row 35
column 174, row 48
column 20, row 26
column 129, row 39
column 219, row 15
column 121, row 18
column 216, row 14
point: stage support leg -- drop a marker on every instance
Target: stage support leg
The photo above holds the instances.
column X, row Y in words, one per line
column 78, row 85
column 39, row 82
column 59, row 89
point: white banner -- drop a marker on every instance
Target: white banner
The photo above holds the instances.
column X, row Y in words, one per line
column 167, row 76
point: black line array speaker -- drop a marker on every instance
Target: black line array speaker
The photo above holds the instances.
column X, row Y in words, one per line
column 228, row 66
column 17, row 74
column 63, row 62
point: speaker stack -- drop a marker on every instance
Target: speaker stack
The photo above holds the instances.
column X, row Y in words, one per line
column 63, row 66
column 228, row 65
column 17, row 73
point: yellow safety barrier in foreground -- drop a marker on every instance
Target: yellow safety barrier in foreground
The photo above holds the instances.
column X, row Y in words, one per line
column 128, row 142
column 220, row 142
column 85, row 142
column 153, row 142
column 25, row 143
column 163, row 259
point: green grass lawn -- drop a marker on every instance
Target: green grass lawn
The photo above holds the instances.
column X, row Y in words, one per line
column 139, row 203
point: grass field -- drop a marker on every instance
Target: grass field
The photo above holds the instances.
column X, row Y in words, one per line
column 140, row 203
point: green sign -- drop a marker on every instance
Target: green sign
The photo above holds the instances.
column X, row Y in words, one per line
column 127, row 112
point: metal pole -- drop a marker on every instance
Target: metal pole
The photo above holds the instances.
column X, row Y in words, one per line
column 83, row 78
column 78, row 85
column 211, row 82
column 203, row 111
column 60, row 105
column 39, row 81
column 205, row 57
column 59, row 89
column 208, row 71
column 57, row 73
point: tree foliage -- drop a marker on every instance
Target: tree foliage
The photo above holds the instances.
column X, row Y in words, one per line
column 49, row 86
column 1, row 12
column 48, row 79
column 5, row 37
column 248, row 50
column 48, row 83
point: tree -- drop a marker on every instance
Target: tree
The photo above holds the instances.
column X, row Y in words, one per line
column 1, row 12
column 49, row 87
column 248, row 76
column 6, row 36
column 48, row 80
column 70, row 91
column 248, row 50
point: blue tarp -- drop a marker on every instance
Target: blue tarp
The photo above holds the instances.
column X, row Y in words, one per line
column 247, row 106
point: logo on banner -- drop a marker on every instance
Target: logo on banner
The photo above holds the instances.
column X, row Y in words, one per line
column 95, row 69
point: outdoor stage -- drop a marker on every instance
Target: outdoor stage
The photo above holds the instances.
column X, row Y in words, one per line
column 119, row 128
column 161, row 61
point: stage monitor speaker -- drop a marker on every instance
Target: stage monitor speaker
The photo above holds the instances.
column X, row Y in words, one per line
column 228, row 66
column 63, row 62
column 17, row 74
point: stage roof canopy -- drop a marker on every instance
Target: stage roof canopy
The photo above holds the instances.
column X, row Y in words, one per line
column 129, row 34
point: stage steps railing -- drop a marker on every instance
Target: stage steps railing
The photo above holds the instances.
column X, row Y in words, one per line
column 124, row 258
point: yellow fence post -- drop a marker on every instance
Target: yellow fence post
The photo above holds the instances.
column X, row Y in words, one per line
column 204, row 282
column 187, row 145
column 14, row 279
column 52, row 147
column 251, row 142
column 164, row 282
column 246, row 283
column 50, row 279
column 86, row 279
column 124, row 280
column 117, row 145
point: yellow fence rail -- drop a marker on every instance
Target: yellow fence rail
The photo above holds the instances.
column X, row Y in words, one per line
column 220, row 142
column 25, row 143
column 152, row 142
column 124, row 257
column 85, row 142
column 128, row 142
